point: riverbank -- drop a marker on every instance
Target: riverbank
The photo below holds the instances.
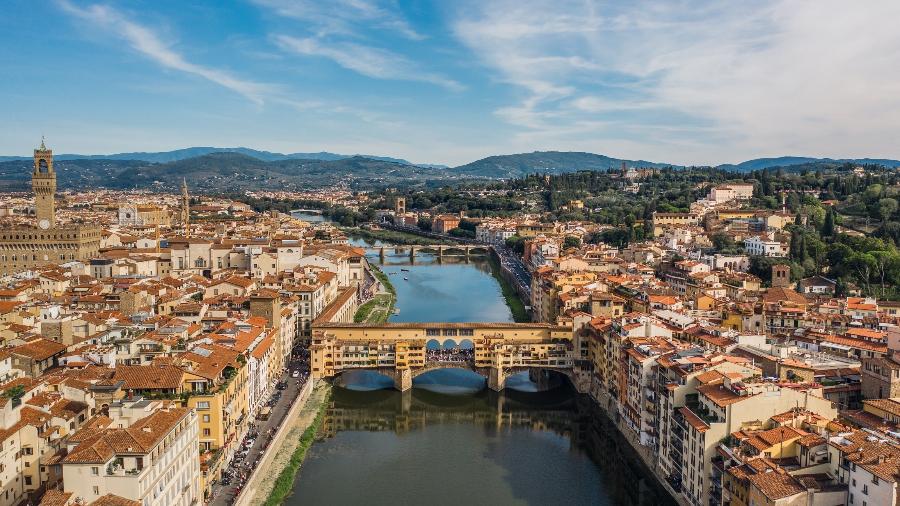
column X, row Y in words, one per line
column 273, row 479
column 381, row 306
column 648, row 458
column 510, row 295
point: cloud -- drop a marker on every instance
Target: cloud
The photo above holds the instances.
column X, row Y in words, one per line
column 368, row 61
column 720, row 80
column 340, row 16
column 147, row 42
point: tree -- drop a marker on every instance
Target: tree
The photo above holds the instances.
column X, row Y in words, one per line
column 571, row 242
column 887, row 263
column 517, row 244
column 886, row 208
column 828, row 226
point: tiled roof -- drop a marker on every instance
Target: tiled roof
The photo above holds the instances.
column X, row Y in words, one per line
column 149, row 377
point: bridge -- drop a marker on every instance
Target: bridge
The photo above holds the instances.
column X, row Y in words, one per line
column 441, row 250
column 401, row 350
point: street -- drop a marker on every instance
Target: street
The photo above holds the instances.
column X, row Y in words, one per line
column 256, row 441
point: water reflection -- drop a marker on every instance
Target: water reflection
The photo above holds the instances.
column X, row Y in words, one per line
column 387, row 447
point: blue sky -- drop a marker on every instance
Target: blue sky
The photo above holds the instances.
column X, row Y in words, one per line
column 455, row 80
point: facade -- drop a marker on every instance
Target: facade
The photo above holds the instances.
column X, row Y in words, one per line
column 758, row 246
column 23, row 248
column 148, row 454
column 143, row 216
column 444, row 223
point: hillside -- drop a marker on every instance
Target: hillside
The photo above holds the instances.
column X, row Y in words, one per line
column 226, row 171
column 545, row 162
column 790, row 161
column 193, row 152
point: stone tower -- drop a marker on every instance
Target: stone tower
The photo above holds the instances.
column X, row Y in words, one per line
column 400, row 206
column 185, row 208
column 781, row 275
column 43, row 183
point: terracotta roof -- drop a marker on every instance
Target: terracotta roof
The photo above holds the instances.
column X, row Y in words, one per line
column 149, row 377
column 114, row 500
column 720, row 395
column 141, row 437
column 776, row 484
column 55, row 497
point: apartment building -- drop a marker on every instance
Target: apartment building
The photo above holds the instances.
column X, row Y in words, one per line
column 147, row 453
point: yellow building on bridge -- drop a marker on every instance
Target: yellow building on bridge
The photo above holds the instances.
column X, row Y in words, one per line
column 398, row 350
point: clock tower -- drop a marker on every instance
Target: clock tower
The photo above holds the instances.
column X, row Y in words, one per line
column 43, row 183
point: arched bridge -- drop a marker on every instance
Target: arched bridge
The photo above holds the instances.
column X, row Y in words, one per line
column 441, row 250
column 401, row 351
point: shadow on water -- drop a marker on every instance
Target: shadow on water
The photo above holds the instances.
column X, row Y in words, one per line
column 513, row 447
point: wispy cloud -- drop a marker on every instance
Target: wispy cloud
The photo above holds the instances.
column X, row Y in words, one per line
column 147, row 42
column 339, row 16
column 368, row 61
column 721, row 80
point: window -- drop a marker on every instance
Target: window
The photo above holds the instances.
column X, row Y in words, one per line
column 206, row 418
column 28, row 480
column 203, row 405
column 95, row 471
column 206, row 432
column 96, row 490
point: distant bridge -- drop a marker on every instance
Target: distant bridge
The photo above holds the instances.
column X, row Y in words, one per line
column 399, row 350
column 306, row 211
column 441, row 250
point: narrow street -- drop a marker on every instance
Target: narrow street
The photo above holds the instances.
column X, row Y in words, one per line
column 240, row 467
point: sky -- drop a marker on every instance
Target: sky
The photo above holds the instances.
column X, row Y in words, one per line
column 451, row 81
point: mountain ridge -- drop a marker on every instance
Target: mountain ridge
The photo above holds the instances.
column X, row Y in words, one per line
column 195, row 151
column 509, row 165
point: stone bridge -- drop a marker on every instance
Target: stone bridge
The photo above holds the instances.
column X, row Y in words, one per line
column 441, row 250
column 399, row 350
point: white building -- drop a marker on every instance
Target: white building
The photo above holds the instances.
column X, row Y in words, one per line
column 493, row 234
column 758, row 246
column 148, row 453
column 867, row 462
column 727, row 192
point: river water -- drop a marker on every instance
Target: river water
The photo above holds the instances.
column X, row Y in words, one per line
column 450, row 441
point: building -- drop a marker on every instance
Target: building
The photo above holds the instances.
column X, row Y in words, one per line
column 444, row 223
column 147, row 453
column 763, row 246
column 867, row 461
column 143, row 215
column 23, row 248
column 727, row 192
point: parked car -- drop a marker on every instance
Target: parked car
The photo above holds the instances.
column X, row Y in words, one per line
column 296, row 373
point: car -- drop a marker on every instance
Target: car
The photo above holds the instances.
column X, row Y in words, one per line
column 281, row 385
column 295, row 374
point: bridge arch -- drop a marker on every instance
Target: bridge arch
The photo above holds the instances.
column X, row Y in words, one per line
column 365, row 379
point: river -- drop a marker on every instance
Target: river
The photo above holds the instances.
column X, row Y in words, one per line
column 450, row 441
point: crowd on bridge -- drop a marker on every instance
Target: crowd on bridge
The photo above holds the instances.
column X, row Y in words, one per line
column 456, row 354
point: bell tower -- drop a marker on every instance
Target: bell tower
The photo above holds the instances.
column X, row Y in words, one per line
column 43, row 183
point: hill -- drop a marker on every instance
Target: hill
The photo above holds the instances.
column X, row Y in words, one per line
column 789, row 161
column 545, row 162
column 226, row 171
column 193, row 152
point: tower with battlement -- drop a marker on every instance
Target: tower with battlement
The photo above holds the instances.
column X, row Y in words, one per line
column 46, row 241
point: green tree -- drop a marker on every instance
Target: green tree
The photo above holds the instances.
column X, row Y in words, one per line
column 571, row 242
column 828, row 226
column 886, row 208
